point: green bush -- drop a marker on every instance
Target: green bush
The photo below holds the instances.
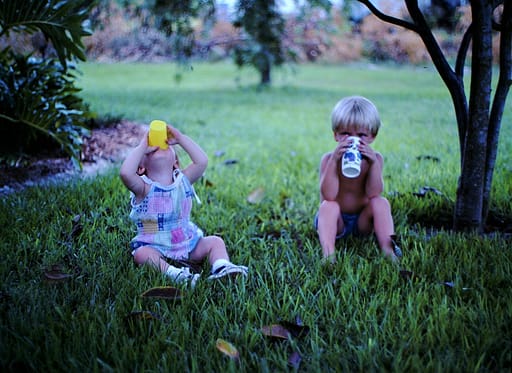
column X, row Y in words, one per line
column 40, row 106
column 39, row 101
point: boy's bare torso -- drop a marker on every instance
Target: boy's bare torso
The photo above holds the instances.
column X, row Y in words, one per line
column 351, row 195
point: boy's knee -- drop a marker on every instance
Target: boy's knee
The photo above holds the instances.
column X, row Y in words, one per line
column 380, row 204
column 329, row 206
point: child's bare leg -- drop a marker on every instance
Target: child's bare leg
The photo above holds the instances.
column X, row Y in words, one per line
column 148, row 255
column 383, row 224
column 212, row 247
column 329, row 223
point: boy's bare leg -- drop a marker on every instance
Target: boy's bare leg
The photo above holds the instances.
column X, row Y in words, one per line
column 383, row 224
column 328, row 225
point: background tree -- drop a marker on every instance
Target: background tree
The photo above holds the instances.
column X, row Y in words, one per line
column 479, row 120
column 38, row 100
column 264, row 26
column 175, row 17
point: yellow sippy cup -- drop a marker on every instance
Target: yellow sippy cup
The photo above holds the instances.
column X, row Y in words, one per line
column 158, row 134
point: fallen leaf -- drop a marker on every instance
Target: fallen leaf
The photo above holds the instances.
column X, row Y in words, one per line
column 422, row 192
column 428, row 158
column 408, row 275
column 56, row 274
column 256, row 196
column 296, row 329
column 449, row 284
column 276, row 331
column 294, row 360
column 208, row 183
column 76, row 228
column 164, row 292
column 194, row 266
column 227, row 349
column 396, row 245
column 143, row 315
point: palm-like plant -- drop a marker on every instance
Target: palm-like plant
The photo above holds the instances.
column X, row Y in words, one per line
column 37, row 97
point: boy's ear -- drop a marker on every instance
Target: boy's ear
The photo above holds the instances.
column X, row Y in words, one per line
column 141, row 171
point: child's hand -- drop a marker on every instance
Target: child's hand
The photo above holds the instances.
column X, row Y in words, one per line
column 342, row 147
column 144, row 143
column 173, row 135
column 367, row 152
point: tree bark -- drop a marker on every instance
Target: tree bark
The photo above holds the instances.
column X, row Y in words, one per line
column 498, row 105
column 468, row 212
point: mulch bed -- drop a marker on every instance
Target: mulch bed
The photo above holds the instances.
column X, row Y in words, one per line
column 104, row 147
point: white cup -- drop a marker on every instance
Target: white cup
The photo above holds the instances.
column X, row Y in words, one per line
column 351, row 161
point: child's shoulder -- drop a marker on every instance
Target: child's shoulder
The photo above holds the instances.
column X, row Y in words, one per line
column 326, row 157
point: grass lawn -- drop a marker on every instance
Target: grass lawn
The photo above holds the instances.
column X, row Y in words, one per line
column 453, row 314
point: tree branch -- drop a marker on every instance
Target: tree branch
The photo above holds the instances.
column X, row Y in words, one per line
column 454, row 83
column 498, row 103
column 505, row 75
column 387, row 18
column 463, row 51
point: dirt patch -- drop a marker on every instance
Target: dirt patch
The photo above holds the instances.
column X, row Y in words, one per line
column 104, row 148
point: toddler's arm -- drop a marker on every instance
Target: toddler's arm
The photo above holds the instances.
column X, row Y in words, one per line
column 130, row 166
column 198, row 157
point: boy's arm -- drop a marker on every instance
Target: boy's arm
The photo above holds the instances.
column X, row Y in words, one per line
column 374, row 180
column 329, row 180
column 198, row 157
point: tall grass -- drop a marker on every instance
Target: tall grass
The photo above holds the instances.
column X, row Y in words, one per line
column 454, row 314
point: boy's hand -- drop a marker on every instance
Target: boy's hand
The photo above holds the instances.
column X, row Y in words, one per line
column 342, row 148
column 367, row 152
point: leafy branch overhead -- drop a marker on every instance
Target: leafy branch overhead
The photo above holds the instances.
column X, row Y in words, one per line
column 63, row 23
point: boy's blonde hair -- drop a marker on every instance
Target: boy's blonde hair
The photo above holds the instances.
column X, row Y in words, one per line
column 356, row 113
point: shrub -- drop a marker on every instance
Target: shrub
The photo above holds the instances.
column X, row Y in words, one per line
column 40, row 106
column 37, row 96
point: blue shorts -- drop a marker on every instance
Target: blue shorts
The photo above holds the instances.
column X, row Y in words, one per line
column 349, row 225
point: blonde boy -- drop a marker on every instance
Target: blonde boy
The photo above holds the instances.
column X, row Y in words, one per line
column 354, row 205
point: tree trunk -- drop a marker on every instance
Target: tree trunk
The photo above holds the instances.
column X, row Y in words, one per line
column 500, row 97
column 478, row 126
column 265, row 76
column 266, row 68
column 468, row 212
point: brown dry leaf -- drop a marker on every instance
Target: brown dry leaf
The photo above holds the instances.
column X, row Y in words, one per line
column 227, row 349
column 276, row 331
column 164, row 292
column 208, row 183
column 256, row 196
column 294, row 360
column 296, row 329
column 56, row 274
column 143, row 315
column 409, row 275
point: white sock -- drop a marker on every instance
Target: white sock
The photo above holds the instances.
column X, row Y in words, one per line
column 172, row 271
column 219, row 263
